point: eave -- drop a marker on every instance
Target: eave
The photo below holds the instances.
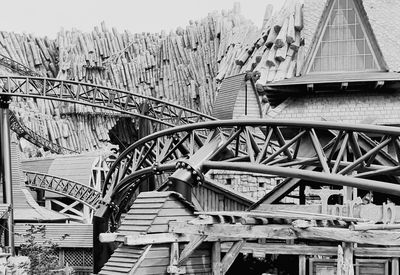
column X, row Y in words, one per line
column 334, row 83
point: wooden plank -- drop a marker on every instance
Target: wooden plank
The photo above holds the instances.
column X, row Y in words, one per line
column 302, row 265
column 286, row 232
column 140, row 260
column 395, row 266
column 216, row 258
column 231, row 255
column 194, row 243
column 144, row 239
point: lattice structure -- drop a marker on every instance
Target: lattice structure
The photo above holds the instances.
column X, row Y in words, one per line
column 340, row 154
column 75, row 190
column 26, row 133
column 103, row 97
column 78, row 257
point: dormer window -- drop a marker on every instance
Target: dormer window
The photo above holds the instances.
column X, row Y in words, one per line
column 344, row 45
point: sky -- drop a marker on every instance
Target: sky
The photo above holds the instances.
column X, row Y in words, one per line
column 47, row 17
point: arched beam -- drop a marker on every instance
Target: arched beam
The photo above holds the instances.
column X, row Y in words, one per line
column 71, row 189
column 107, row 98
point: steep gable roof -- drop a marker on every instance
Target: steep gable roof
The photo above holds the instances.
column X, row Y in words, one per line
column 344, row 41
column 383, row 16
column 25, row 207
column 151, row 212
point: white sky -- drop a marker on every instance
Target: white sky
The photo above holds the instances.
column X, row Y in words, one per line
column 46, row 17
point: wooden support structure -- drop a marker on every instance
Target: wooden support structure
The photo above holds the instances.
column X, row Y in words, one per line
column 231, row 255
column 140, row 260
column 190, row 248
column 287, row 232
column 302, row 264
column 173, row 267
column 395, row 266
column 216, row 258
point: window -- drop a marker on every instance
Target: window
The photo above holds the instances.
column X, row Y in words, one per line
column 344, row 45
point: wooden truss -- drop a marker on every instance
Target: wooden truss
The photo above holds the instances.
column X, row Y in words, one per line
column 75, row 190
column 324, row 152
column 24, row 132
column 115, row 100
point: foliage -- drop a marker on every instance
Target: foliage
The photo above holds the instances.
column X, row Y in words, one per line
column 42, row 252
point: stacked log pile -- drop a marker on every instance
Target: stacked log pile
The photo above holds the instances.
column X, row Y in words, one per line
column 185, row 66
column 279, row 51
column 75, row 131
column 40, row 54
column 182, row 66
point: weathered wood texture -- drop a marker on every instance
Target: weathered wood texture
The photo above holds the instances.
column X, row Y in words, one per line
column 156, row 261
column 152, row 211
column 286, row 232
column 185, row 66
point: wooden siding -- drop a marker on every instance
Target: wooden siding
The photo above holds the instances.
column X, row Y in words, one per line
column 64, row 234
column 25, row 207
column 227, row 96
column 73, row 167
column 158, row 258
column 211, row 199
column 151, row 212
column 122, row 260
column 252, row 102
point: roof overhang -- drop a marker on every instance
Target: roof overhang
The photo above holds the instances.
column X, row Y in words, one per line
column 334, row 83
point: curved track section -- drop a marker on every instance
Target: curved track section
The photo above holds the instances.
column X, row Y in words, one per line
column 28, row 134
column 103, row 97
column 74, row 190
column 189, row 152
column 17, row 67
column 20, row 129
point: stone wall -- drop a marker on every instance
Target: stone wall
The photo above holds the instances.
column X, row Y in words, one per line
column 251, row 184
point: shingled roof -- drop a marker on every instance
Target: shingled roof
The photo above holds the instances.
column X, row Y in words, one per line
column 381, row 22
column 285, row 57
column 25, row 207
column 151, row 212
column 73, row 167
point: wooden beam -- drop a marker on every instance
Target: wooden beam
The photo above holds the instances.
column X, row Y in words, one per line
column 311, row 250
column 190, row 248
column 395, row 266
column 341, row 153
column 109, row 237
column 286, row 232
column 216, row 258
column 302, row 265
column 144, row 239
column 231, row 255
column 363, row 227
column 173, row 267
column 140, row 260
column 319, row 150
column 348, row 266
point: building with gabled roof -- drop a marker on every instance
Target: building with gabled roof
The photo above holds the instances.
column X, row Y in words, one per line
column 346, row 69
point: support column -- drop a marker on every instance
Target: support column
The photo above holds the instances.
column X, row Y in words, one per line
column 5, row 168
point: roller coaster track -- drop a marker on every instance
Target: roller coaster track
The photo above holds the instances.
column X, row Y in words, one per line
column 17, row 67
column 189, row 152
column 75, row 190
column 20, row 129
column 31, row 84
column 28, row 134
column 109, row 98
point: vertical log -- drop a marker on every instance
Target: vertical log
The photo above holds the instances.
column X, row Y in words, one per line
column 395, row 266
column 298, row 17
column 281, row 38
column 216, row 258
column 302, row 265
